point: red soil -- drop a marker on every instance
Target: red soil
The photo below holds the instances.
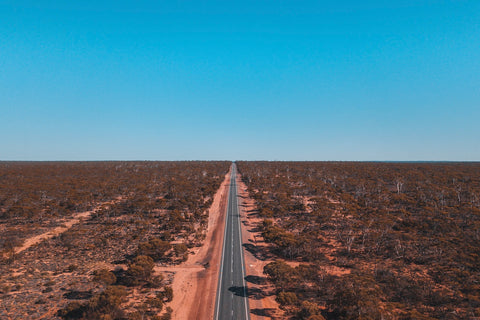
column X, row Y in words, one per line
column 67, row 224
column 261, row 299
column 195, row 281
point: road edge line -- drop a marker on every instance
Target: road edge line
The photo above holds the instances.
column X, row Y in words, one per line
column 219, row 287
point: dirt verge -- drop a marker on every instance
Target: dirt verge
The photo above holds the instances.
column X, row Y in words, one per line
column 261, row 299
column 195, row 281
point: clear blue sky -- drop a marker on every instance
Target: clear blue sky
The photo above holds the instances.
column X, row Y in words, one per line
column 275, row 80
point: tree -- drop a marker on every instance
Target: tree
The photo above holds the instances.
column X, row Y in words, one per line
column 139, row 271
column 154, row 248
column 280, row 273
column 287, row 298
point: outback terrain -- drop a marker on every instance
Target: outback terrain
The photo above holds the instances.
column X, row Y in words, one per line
column 348, row 240
column 93, row 240
column 321, row 240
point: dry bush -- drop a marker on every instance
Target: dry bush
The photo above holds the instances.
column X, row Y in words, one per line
column 379, row 240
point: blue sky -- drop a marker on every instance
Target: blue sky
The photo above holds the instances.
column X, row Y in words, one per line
column 275, row 80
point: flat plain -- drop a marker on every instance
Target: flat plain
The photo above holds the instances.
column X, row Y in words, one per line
column 353, row 240
column 83, row 239
column 321, row 240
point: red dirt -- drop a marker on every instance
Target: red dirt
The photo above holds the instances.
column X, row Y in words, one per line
column 76, row 218
column 195, row 281
column 261, row 300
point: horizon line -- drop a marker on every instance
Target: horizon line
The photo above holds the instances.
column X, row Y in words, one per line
column 257, row 160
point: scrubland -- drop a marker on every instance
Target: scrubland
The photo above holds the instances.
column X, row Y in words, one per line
column 370, row 240
column 81, row 240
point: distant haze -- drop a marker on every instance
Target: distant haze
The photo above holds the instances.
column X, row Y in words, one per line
column 275, row 80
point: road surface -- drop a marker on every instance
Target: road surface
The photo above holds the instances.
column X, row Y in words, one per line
column 232, row 300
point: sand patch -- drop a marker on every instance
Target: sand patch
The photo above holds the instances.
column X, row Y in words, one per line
column 195, row 281
column 66, row 225
column 256, row 252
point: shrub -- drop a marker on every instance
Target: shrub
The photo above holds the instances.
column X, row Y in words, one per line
column 310, row 310
column 154, row 248
column 105, row 305
column 168, row 293
column 287, row 298
column 104, row 276
column 280, row 273
column 139, row 271
column 181, row 250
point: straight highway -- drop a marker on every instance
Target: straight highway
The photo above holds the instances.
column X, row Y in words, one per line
column 232, row 301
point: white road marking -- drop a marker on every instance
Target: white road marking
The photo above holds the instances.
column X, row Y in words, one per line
column 241, row 254
column 223, row 252
column 230, row 209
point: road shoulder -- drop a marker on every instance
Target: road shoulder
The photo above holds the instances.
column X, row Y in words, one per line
column 195, row 281
column 261, row 299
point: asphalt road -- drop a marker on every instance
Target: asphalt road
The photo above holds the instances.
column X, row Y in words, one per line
column 232, row 301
